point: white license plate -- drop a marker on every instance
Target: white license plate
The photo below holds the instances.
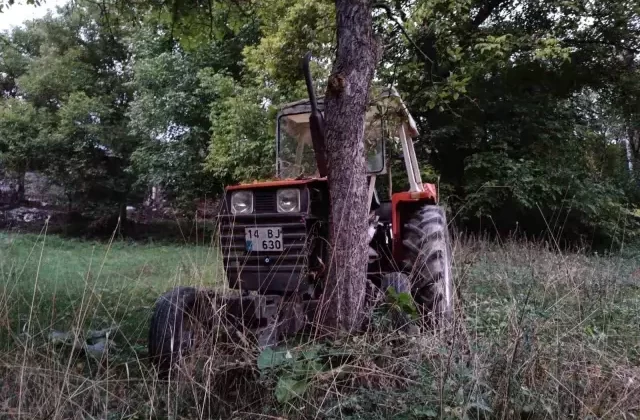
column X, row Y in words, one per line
column 263, row 239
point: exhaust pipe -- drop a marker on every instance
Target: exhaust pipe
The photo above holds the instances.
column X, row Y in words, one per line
column 316, row 121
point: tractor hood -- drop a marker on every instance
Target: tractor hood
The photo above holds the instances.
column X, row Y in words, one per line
column 274, row 183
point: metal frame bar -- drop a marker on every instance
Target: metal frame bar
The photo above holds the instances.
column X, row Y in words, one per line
column 372, row 186
column 410, row 162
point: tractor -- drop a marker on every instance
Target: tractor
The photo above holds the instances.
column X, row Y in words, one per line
column 273, row 235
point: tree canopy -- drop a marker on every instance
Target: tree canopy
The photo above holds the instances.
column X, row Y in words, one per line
column 528, row 110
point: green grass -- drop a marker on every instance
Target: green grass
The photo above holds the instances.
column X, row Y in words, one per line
column 540, row 334
column 591, row 299
column 55, row 283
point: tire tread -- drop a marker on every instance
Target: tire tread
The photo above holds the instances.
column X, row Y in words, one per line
column 428, row 259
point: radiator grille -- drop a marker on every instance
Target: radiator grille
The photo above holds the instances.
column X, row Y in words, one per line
column 265, row 201
column 266, row 270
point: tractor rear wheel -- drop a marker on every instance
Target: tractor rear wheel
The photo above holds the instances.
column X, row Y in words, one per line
column 172, row 328
column 401, row 284
column 428, row 260
column 399, row 281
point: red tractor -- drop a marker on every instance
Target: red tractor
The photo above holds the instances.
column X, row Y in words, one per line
column 273, row 235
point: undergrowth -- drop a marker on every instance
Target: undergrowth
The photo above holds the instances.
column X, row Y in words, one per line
column 538, row 334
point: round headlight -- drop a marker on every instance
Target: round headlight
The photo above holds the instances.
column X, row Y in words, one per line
column 242, row 202
column 288, row 201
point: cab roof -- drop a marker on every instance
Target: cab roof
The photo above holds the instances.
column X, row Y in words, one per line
column 387, row 96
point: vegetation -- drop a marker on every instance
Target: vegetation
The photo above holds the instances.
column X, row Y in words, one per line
column 94, row 285
column 541, row 334
column 527, row 113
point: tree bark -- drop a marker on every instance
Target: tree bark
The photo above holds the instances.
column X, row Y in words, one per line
column 346, row 101
column 633, row 148
column 122, row 212
column 21, row 189
column 485, row 11
column 122, row 216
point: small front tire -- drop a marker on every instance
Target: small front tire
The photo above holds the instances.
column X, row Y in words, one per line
column 172, row 328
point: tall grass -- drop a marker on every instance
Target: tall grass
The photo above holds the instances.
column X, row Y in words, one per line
column 50, row 282
column 539, row 333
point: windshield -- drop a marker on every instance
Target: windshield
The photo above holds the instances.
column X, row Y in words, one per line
column 295, row 148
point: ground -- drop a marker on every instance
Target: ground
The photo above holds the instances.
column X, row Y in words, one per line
column 541, row 333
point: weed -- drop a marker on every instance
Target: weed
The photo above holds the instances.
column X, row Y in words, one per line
column 538, row 334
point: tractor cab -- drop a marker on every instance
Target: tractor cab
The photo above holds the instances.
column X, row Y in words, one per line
column 388, row 122
column 294, row 146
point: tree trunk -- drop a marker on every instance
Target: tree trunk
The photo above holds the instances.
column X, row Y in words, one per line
column 346, row 102
column 633, row 146
column 630, row 157
column 21, row 189
column 122, row 216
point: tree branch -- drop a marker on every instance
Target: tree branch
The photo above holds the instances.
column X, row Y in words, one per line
column 485, row 11
column 392, row 18
column 240, row 8
column 601, row 42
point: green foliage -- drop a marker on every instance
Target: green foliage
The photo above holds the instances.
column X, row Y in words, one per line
column 557, row 173
column 54, row 75
column 20, row 148
column 72, row 70
column 294, row 369
column 290, row 29
column 524, row 112
column 4, row 4
column 242, row 144
column 402, row 302
column 77, row 136
column 287, row 389
column 270, row 358
column 513, row 109
column 167, row 112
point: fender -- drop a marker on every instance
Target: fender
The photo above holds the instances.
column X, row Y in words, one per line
column 401, row 205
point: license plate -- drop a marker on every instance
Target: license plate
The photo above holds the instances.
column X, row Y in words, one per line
column 263, row 239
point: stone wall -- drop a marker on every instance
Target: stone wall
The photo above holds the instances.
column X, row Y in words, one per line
column 39, row 191
column 45, row 201
column 42, row 201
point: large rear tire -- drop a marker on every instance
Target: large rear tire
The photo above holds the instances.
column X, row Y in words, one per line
column 399, row 281
column 428, row 260
column 172, row 328
column 401, row 284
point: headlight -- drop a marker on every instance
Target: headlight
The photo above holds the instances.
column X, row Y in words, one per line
column 288, row 201
column 242, row 202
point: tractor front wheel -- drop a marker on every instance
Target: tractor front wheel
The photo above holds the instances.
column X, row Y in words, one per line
column 428, row 259
column 171, row 330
